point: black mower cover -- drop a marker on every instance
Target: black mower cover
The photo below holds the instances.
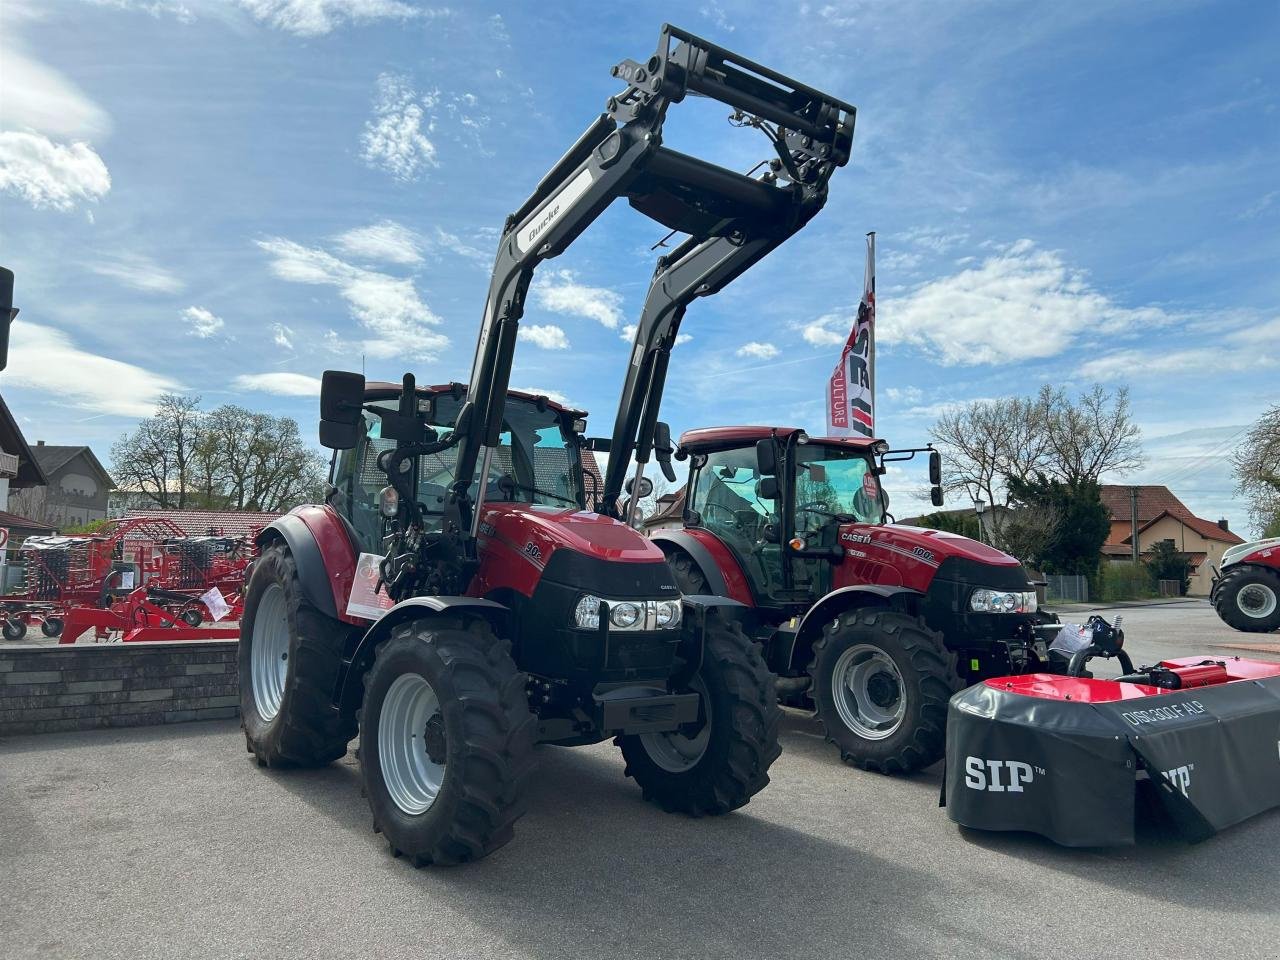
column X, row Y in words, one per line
column 1067, row 768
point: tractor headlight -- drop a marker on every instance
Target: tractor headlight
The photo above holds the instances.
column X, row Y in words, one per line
column 668, row 614
column 626, row 614
column 984, row 600
column 388, row 502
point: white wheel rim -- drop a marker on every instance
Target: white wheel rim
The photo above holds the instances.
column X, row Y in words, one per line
column 868, row 692
column 410, row 732
column 269, row 656
column 1256, row 601
column 674, row 752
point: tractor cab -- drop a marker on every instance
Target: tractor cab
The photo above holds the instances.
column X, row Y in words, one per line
column 778, row 500
column 537, row 459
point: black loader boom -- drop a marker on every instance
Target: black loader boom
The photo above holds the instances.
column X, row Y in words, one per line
column 732, row 221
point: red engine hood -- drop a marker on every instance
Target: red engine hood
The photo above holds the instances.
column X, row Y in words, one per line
column 930, row 546
column 551, row 528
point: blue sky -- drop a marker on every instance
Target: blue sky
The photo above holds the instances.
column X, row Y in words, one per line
column 230, row 196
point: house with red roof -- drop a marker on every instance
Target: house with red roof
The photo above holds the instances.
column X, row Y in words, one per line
column 1162, row 516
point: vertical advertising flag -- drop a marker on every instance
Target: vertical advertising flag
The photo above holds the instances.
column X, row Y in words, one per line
column 851, row 389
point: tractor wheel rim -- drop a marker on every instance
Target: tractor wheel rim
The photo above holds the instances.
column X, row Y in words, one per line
column 412, row 744
column 675, row 752
column 269, row 657
column 1257, row 600
column 868, row 692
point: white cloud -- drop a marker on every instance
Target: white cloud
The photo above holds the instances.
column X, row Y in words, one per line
column 283, row 384
column 829, row 330
column 139, row 272
column 311, row 18
column 549, row 337
column 1020, row 304
column 156, row 8
column 456, row 245
column 761, row 351
column 386, row 240
column 47, row 360
column 389, row 308
column 911, row 395
column 39, row 98
column 48, row 174
column 203, row 323
column 1249, row 348
column 282, row 336
column 559, row 290
column 394, row 140
column 628, row 335
column 682, row 338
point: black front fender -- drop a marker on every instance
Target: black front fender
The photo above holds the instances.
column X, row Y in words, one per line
column 351, row 686
column 313, row 577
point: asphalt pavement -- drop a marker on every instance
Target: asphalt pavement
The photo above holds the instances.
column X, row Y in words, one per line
column 170, row 842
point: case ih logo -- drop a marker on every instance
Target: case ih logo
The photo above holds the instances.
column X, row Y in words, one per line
column 999, row 776
column 856, row 537
column 1179, row 777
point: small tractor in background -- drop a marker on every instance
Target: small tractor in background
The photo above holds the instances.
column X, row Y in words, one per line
column 871, row 624
column 1246, row 590
column 454, row 601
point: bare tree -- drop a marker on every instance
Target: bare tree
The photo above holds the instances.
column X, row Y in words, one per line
column 987, row 442
column 1091, row 436
column 231, row 458
column 1257, row 470
column 157, row 458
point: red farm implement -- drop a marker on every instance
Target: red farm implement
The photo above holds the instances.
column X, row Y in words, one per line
column 150, row 613
column 101, row 571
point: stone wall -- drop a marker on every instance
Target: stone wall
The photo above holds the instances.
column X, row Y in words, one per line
column 85, row 686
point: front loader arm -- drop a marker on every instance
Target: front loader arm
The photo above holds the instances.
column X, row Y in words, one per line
column 737, row 218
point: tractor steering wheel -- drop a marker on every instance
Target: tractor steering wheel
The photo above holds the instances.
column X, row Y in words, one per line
column 711, row 504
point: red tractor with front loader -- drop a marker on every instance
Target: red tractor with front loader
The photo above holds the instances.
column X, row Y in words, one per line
column 1246, row 590
column 454, row 601
column 871, row 624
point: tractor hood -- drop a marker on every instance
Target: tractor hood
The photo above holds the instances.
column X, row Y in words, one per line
column 539, row 531
column 1253, row 552
column 922, row 544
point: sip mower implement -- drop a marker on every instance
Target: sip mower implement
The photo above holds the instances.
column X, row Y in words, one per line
column 1064, row 755
column 453, row 602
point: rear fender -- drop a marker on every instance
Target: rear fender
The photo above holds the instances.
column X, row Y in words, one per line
column 322, row 554
column 351, row 686
column 835, row 603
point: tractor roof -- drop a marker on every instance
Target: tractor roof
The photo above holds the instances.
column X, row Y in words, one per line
column 706, row 439
column 382, row 389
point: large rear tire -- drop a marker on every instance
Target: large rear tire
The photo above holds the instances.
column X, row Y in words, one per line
column 725, row 762
column 881, row 681
column 289, row 660
column 1248, row 598
column 446, row 740
column 687, row 575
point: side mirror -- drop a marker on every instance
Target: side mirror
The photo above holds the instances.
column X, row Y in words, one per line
column 767, row 488
column 766, row 457
column 341, row 399
column 935, row 496
column 935, row 468
column 341, row 396
column 662, row 450
column 7, row 313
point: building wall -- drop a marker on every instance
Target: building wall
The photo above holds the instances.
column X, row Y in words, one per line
column 1187, row 540
column 75, row 495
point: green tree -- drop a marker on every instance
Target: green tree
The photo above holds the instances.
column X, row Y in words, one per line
column 953, row 521
column 1078, row 524
column 1166, row 563
column 1257, row 469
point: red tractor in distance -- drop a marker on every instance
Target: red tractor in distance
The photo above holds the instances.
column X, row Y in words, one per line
column 871, row 624
column 454, row 601
column 1246, row 591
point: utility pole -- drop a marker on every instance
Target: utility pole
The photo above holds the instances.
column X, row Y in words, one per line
column 1133, row 519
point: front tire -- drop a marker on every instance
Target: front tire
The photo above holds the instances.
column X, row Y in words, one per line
column 1248, row 598
column 289, row 660
column 724, row 763
column 881, row 681
column 446, row 740
column 51, row 627
column 14, row 630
